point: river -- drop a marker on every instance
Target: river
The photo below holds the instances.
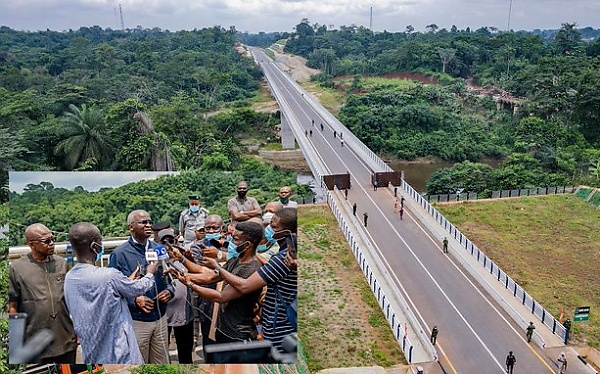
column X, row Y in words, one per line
column 418, row 173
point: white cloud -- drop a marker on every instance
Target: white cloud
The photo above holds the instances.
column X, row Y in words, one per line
column 283, row 15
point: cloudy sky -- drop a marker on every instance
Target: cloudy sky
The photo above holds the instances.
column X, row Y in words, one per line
column 90, row 181
column 283, row 15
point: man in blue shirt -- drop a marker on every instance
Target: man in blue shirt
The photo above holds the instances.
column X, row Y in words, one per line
column 147, row 311
column 96, row 298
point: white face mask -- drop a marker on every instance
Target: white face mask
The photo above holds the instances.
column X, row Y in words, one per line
column 267, row 217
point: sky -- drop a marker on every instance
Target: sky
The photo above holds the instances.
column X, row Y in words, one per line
column 282, row 15
column 90, row 181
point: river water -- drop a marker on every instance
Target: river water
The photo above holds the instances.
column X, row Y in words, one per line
column 417, row 174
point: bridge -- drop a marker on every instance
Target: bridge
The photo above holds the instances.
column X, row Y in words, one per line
column 480, row 311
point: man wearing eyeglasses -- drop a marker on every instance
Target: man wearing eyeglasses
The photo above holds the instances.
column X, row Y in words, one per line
column 36, row 287
column 148, row 311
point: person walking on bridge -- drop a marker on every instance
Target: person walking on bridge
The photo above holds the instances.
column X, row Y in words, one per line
column 434, row 334
column 401, row 213
column 354, row 209
column 402, row 201
column 322, row 126
column 530, row 329
column 334, row 133
column 306, row 133
column 310, row 133
column 396, row 205
column 511, row 360
column 365, row 218
column 563, row 363
column 445, row 245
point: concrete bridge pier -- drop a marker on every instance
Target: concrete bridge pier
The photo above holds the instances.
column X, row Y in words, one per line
column 287, row 136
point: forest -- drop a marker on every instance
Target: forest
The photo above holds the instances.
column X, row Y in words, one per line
column 553, row 139
column 99, row 99
column 164, row 198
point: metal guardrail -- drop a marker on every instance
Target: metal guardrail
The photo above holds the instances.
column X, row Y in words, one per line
column 319, row 170
column 518, row 292
column 399, row 329
column 539, row 191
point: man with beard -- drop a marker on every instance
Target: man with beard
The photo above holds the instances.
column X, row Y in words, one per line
column 242, row 208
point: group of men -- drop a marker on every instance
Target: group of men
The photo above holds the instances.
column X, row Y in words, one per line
column 244, row 275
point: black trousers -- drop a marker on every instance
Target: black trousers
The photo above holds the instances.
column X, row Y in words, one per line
column 184, row 338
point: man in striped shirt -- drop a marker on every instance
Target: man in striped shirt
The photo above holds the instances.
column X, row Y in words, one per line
column 280, row 278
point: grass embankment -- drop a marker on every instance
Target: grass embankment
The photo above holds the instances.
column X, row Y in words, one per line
column 549, row 245
column 340, row 323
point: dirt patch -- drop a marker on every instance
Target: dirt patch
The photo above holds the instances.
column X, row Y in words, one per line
column 296, row 66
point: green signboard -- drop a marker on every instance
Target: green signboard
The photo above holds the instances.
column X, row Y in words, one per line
column 582, row 314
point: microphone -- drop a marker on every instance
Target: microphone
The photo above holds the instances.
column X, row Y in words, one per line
column 162, row 256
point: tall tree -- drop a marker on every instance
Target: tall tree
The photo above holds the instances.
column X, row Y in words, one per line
column 567, row 39
column 85, row 141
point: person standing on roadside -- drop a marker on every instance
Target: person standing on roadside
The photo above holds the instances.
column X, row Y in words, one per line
column 563, row 363
column 401, row 213
column 530, row 329
column 365, row 218
column 445, row 245
column 354, row 209
column 434, row 334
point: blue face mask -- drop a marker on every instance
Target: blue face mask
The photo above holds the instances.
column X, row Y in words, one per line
column 98, row 254
column 232, row 251
column 261, row 248
column 269, row 232
column 216, row 236
column 194, row 208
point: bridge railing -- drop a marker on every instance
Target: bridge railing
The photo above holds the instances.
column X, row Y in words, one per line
column 399, row 329
column 517, row 291
column 350, row 139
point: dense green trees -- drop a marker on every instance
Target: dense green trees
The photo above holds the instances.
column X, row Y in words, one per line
column 163, row 198
column 98, row 99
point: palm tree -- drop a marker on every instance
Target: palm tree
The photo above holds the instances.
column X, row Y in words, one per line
column 85, row 140
column 594, row 169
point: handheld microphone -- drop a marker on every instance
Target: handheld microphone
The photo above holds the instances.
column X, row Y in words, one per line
column 162, row 256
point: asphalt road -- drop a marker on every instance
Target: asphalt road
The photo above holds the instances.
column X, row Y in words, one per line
column 475, row 334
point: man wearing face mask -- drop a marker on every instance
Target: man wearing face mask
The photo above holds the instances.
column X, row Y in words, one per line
column 191, row 219
column 96, row 299
column 242, row 208
column 280, row 278
column 236, row 315
column 284, row 197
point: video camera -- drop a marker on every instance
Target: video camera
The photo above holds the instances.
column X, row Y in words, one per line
column 19, row 353
column 255, row 352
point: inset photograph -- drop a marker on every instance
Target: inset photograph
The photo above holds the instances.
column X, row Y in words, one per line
column 135, row 268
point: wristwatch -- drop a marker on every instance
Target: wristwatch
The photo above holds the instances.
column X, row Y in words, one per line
column 218, row 270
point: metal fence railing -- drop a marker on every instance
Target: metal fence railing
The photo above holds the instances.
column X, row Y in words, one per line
column 518, row 292
column 539, row 191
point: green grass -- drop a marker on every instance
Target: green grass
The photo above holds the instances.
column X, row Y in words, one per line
column 338, row 314
column 330, row 98
column 273, row 147
column 549, row 245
